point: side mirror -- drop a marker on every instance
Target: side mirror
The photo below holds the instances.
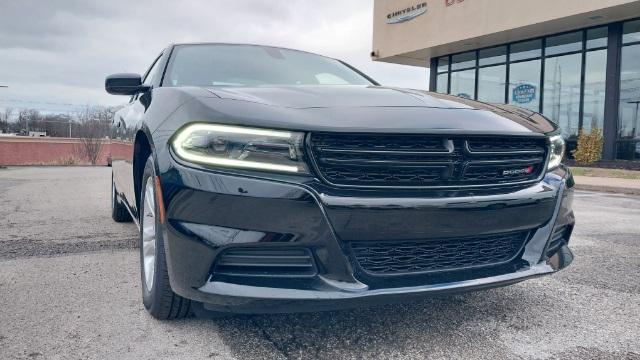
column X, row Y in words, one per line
column 124, row 84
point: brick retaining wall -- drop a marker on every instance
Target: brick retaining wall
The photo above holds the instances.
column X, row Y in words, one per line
column 22, row 150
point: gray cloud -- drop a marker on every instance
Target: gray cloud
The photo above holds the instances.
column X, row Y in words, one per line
column 59, row 51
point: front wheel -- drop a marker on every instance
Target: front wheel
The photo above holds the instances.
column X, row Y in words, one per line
column 157, row 295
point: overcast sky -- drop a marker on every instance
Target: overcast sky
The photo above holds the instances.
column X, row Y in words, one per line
column 59, row 51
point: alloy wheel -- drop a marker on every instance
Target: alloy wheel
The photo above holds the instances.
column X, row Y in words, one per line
column 149, row 234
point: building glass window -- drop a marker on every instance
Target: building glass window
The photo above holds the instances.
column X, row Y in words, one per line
column 493, row 56
column 442, row 83
column 463, row 61
column 631, row 32
column 524, row 84
column 628, row 150
column 463, row 83
column 595, row 75
column 491, row 83
column 629, row 117
column 573, row 87
column 564, row 43
column 443, row 64
column 526, row 50
column 597, row 38
column 562, row 76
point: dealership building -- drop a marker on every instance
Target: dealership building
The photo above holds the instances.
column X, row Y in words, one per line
column 575, row 61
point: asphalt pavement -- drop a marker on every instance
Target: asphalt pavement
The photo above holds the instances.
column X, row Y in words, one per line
column 69, row 289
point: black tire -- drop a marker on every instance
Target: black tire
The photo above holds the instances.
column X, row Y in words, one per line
column 161, row 302
column 119, row 212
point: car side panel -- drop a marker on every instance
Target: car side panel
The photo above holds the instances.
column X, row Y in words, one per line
column 142, row 117
column 127, row 122
column 122, row 136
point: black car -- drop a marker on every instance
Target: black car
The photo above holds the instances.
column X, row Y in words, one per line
column 266, row 179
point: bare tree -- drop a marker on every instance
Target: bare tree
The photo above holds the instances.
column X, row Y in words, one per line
column 90, row 142
column 4, row 120
column 94, row 126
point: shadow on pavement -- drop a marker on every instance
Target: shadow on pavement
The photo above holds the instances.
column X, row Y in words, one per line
column 419, row 329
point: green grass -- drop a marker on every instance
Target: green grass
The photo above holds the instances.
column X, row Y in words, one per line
column 609, row 173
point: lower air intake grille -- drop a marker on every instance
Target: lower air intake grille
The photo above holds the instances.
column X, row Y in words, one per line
column 558, row 239
column 404, row 257
column 265, row 262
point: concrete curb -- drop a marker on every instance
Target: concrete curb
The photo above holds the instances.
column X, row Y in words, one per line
column 612, row 185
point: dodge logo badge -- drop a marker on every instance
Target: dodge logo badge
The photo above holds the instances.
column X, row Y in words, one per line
column 527, row 170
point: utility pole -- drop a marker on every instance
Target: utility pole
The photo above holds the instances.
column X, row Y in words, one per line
column 5, row 120
column 635, row 119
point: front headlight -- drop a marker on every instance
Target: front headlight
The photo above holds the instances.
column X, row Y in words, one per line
column 556, row 152
column 241, row 147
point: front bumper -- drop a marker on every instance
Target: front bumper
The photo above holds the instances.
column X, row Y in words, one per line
column 226, row 297
column 208, row 212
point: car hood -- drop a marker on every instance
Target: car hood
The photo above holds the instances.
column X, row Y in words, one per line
column 374, row 109
column 304, row 97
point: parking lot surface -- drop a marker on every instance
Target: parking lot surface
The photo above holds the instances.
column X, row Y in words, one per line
column 69, row 289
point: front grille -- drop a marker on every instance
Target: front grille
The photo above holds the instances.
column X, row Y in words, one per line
column 369, row 160
column 264, row 262
column 458, row 253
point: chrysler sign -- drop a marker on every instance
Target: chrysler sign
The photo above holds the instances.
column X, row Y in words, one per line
column 407, row 14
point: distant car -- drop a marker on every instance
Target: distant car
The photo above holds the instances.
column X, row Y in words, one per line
column 266, row 179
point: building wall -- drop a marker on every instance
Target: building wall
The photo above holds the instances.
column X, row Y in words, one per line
column 53, row 151
column 471, row 24
column 579, row 85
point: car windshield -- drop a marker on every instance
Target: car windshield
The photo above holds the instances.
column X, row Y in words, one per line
column 250, row 65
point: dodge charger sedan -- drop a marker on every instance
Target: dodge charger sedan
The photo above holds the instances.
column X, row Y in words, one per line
column 267, row 180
